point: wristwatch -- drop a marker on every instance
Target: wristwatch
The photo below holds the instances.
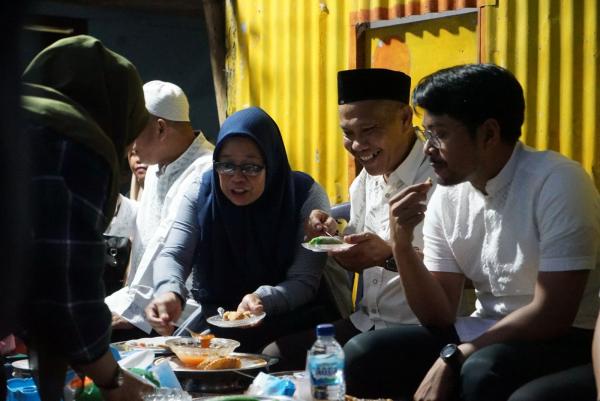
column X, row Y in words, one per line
column 451, row 354
column 390, row 264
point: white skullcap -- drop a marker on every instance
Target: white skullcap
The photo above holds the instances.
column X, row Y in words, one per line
column 166, row 100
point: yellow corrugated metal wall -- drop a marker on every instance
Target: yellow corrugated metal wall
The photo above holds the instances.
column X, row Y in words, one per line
column 283, row 56
column 552, row 47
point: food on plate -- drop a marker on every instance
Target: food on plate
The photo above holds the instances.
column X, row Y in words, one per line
column 235, row 315
column 226, row 362
column 145, row 343
column 325, row 240
column 191, row 361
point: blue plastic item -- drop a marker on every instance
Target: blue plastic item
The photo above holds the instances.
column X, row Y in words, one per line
column 22, row 390
column 115, row 353
column 165, row 375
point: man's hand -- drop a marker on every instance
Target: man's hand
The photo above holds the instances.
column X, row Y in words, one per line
column 438, row 384
column 370, row 250
column 163, row 311
column 407, row 210
column 251, row 303
column 318, row 223
column 119, row 323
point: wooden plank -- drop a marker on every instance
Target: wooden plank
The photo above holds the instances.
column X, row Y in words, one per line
column 214, row 18
column 184, row 7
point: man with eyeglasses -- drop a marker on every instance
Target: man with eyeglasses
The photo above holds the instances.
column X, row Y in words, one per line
column 180, row 159
column 376, row 122
column 522, row 225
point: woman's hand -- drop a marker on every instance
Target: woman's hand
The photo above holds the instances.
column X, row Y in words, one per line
column 105, row 372
column 131, row 389
column 251, row 303
column 318, row 223
column 163, row 312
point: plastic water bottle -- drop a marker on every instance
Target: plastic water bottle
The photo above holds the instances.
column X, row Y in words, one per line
column 325, row 364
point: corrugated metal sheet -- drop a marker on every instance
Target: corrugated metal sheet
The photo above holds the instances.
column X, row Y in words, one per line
column 552, row 47
column 419, row 48
column 284, row 56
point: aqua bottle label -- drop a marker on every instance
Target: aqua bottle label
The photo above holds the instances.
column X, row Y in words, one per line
column 324, row 369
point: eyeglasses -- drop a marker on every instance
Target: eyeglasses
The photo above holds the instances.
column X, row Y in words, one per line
column 426, row 135
column 247, row 169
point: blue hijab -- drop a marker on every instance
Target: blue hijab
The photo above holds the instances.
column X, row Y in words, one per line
column 243, row 247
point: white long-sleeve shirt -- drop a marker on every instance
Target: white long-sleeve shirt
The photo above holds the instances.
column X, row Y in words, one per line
column 383, row 302
column 149, row 222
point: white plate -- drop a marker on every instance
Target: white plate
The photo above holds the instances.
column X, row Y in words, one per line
column 216, row 320
column 156, row 344
column 327, row 247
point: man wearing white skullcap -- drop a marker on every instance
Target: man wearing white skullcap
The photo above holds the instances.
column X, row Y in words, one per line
column 183, row 158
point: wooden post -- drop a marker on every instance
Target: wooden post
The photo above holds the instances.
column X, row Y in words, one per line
column 214, row 16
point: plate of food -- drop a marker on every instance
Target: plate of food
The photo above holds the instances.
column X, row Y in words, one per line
column 236, row 319
column 326, row 243
column 220, row 381
column 233, row 361
column 156, row 344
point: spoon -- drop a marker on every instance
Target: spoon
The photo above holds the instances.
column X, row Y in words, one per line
column 221, row 311
column 194, row 334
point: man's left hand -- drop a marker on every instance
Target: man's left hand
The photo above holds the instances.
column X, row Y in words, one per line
column 438, row 384
column 369, row 250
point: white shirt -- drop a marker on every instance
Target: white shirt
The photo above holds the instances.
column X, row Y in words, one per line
column 383, row 303
column 150, row 222
column 542, row 213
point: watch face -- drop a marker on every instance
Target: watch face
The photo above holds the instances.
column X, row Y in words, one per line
column 448, row 351
column 390, row 264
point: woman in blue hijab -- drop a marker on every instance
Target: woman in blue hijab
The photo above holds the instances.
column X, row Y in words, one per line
column 242, row 235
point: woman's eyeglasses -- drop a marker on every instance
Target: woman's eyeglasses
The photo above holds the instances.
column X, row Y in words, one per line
column 247, row 169
column 426, row 135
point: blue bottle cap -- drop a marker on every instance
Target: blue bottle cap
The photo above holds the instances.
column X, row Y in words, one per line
column 325, row 329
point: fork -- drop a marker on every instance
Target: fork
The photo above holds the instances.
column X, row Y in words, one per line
column 326, row 232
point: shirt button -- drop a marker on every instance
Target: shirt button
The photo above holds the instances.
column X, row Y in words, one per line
column 375, row 281
column 387, row 196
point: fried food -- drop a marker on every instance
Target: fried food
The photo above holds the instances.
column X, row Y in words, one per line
column 226, row 362
column 235, row 315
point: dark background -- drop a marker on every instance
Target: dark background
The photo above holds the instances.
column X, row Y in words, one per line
column 167, row 43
